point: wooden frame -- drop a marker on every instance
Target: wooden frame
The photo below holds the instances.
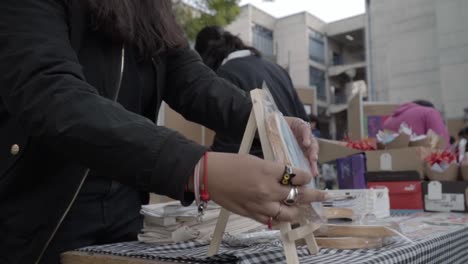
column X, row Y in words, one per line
column 288, row 235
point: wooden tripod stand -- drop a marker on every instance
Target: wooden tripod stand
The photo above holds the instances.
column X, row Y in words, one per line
column 289, row 236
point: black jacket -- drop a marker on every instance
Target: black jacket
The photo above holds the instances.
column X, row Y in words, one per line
column 57, row 80
column 249, row 73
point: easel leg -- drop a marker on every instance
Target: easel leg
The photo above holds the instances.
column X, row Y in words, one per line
column 223, row 218
column 218, row 233
column 310, row 239
column 289, row 246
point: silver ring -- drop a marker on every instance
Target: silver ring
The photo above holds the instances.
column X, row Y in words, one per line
column 292, row 198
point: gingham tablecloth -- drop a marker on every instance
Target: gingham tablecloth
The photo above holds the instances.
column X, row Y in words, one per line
column 433, row 243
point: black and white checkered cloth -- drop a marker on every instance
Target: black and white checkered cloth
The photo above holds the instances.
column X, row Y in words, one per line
column 447, row 244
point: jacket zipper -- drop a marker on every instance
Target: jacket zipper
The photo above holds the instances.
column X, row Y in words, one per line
column 85, row 175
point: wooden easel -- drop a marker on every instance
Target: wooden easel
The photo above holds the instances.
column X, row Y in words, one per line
column 289, row 236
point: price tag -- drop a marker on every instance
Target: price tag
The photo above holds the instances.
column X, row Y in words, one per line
column 434, row 190
column 386, row 162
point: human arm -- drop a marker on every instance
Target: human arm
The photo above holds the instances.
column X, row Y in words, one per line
column 44, row 89
column 201, row 96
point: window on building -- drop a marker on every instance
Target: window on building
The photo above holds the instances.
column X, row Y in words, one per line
column 317, row 79
column 263, row 40
column 337, row 59
column 316, row 46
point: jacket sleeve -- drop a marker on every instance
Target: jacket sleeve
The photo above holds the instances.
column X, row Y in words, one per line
column 43, row 87
column 232, row 77
column 197, row 93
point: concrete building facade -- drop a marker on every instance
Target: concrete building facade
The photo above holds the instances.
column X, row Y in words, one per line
column 326, row 58
column 400, row 50
column 419, row 50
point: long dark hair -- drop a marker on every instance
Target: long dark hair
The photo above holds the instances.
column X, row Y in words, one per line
column 148, row 25
column 214, row 44
column 424, row 103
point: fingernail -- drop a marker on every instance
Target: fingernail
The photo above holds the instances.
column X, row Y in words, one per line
column 327, row 197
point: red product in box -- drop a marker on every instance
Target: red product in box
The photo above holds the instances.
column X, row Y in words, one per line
column 404, row 188
column 403, row 195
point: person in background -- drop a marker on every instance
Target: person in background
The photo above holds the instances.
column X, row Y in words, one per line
column 245, row 67
column 463, row 133
column 81, row 85
column 452, row 140
column 314, row 125
column 421, row 116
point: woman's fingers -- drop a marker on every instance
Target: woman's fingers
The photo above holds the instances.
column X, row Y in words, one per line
column 306, row 134
column 277, row 170
column 305, row 195
column 308, row 195
column 301, row 177
column 277, row 212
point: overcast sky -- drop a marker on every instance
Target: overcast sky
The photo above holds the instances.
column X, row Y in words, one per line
column 327, row 10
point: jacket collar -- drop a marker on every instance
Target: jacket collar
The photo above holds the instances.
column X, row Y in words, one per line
column 236, row 55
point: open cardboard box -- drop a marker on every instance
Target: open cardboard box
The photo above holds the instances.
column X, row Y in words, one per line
column 402, row 159
column 450, row 174
column 425, row 142
column 432, row 140
column 464, row 172
column 401, row 141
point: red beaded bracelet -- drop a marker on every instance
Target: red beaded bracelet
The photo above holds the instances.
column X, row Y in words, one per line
column 200, row 189
column 205, row 196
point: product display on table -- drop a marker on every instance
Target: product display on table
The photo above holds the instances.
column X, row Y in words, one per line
column 442, row 166
column 437, row 238
column 362, row 202
column 278, row 144
column 174, row 223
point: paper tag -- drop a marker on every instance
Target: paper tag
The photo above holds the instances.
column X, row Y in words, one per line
column 449, row 202
column 434, row 190
column 386, row 162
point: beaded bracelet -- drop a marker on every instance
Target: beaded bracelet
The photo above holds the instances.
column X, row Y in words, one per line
column 200, row 189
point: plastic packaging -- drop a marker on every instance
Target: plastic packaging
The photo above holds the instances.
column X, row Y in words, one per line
column 286, row 149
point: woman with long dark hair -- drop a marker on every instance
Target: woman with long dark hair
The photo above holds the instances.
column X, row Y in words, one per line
column 244, row 66
column 81, row 83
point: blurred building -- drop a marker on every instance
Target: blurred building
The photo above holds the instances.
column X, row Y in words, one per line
column 328, row 59
column 419, row 49
column 400, row 50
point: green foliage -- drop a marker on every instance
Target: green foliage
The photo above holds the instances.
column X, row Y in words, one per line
column 200, row 13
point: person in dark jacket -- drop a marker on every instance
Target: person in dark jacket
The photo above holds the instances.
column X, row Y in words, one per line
column 80, row 85
column 315, row 125
column 244, row 66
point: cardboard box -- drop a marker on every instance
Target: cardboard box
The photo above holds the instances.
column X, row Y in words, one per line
column 331, row 150
column 464, row 172
column 403, row 159
column 402, row 141
column 450, row 174
column 351, row 172
column 404, row 188
column 453, row 197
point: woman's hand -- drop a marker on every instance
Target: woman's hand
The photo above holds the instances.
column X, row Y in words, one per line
column 306, row 140
column 249, row 186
